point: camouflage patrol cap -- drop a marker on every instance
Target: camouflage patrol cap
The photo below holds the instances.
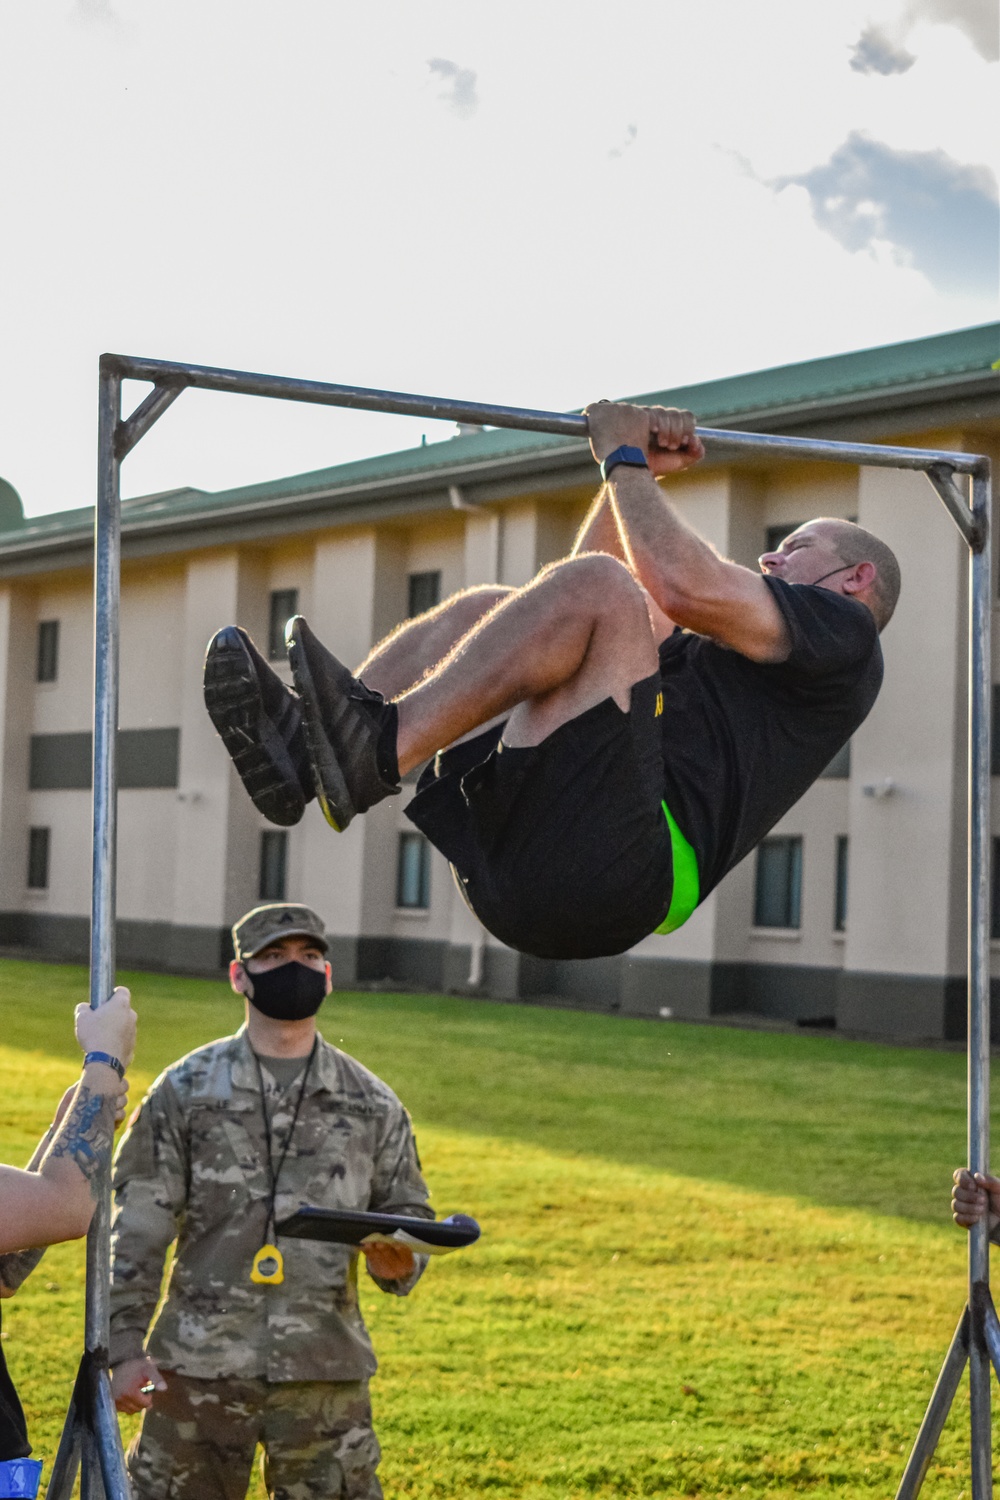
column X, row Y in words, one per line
column 268, row 924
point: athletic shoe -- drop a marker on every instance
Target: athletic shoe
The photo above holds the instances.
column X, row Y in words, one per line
column 350, row 731
column 260, row 722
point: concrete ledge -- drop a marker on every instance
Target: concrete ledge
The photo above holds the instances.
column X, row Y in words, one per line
column 905, row 1007
column 140, row 945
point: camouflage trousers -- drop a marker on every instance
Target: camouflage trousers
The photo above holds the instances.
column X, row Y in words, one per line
column 198, row 1440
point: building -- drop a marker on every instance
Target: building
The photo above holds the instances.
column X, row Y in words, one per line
column 852, row 912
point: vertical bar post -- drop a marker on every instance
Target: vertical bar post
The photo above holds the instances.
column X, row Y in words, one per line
column 102, row 1451
column 980, row 687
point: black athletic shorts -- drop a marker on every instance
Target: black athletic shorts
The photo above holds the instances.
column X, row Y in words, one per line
column 562, row 849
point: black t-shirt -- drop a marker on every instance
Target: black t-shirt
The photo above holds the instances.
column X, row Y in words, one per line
column 742, row 740
column 13, row 1429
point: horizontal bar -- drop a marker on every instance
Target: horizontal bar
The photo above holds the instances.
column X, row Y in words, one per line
column 563, row 424
column 866, row 455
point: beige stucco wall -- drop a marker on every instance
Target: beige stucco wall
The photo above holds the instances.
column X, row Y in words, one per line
column 190, row 856
column 68, row 703
column 904, row 902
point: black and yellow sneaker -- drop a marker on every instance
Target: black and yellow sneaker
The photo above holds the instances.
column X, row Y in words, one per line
column 259, row 720
column 350, row 730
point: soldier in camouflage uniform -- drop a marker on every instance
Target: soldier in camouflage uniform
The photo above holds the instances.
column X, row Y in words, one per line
column 231, row 1361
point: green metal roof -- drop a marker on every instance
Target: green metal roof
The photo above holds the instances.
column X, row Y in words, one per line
column 891, row 366
column 931, row 364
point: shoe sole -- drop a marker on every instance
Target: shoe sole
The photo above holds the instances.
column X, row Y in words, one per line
column 328, row 779
column 233, row 700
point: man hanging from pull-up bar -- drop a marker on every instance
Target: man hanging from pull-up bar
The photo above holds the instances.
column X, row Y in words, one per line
column 622, row 730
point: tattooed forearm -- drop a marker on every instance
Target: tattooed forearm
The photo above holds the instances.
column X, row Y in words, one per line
column 40, row 1150
column 16, row 1267
column 87, row 1133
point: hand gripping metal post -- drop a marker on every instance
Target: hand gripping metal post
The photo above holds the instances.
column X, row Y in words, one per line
column 90, row 1436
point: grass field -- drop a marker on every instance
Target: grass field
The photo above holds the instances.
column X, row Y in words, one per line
column 715, row 1262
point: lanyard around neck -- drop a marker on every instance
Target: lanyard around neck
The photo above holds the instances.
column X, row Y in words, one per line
column 275, row 1172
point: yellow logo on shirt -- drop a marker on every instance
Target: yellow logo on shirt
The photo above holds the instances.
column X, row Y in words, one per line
column 659, row 706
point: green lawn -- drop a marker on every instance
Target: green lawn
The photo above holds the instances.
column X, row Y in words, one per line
column 715, row 1263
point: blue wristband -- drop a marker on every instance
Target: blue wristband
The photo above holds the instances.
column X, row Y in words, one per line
column 105, row 1057
column 634, row 458
column 20, row 1477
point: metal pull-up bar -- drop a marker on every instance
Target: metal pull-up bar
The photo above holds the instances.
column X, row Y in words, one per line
column 90, row 1435
column 169, row 380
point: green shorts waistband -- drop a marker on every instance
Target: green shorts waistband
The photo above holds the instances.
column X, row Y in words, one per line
column 686, row 884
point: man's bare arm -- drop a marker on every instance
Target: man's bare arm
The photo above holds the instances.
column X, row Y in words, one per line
column 17, row 1265
column 686, row 578
column 600, row 531
column 55, row 1202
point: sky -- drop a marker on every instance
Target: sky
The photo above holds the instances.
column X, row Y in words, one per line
column 535, row 204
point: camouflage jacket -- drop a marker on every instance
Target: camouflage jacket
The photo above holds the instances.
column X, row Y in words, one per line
column 192, row 1167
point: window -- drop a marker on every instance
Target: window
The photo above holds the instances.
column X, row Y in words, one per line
column 775, row 535
column 62, row 762
column 995, row 741
column 778, row 893
column 839, row 768
column 47, row 665
column 995, row 914
column 273, row 865
column 413, row 873
column 424, row 593
column 840, row 894
column 284, row 604
column 38, row 859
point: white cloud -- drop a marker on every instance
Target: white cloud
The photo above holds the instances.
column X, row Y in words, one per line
column 938, row 215
column 281, row 189
column 459, row 91
column 96, row 13
column 979, row 19
column 627, row 140
column 877, row 53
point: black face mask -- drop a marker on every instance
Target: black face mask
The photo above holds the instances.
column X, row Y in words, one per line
column 291, row 992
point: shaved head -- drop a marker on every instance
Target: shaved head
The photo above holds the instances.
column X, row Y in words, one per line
column 853, row 545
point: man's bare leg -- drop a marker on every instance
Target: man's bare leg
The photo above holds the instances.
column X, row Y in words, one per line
column 577, row 634
column 416, row 647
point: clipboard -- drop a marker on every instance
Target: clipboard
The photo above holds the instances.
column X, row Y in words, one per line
column 351, row 1226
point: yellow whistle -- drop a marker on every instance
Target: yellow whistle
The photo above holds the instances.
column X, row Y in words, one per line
column 268, row 1266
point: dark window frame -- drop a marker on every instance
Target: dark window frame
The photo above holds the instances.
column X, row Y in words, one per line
column 47, row 653
column 422, row 892
column 785, row 912
column 284, row 604
column 148, row 759
column 423, row 592
column 272, row 867
column 839, row 768
column 841, row 871
column 39, row 858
